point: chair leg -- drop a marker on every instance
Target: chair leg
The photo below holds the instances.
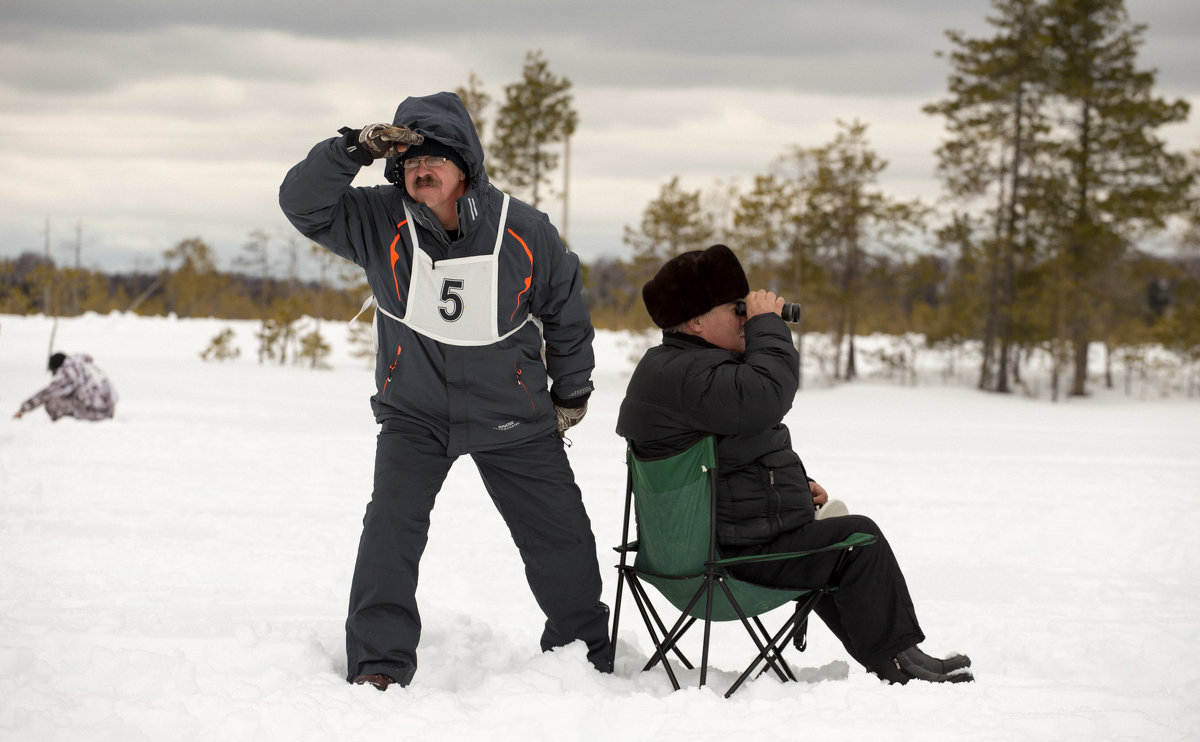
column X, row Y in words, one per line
column 617, row 612
column 673, row 645
column 777, row 644
column 766, row 651
column 773, row 649
column 647, row 610
column 678, row 630
column 774, row 658
column 770, row 652
column 798, row 636
column 662, row 626
column 646, row 606
column 707, row 631
column 639, row 597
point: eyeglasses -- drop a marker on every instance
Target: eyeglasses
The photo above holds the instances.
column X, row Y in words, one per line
column 415, row 162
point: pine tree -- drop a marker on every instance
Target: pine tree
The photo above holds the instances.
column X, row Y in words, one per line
column 191, row 287
column 848, row 219
column 1117, row 177
column 535, row 115
column 995, row 119
column 764, row 230
column 256, row 259
column 767, row 236
column 673, row 223
column 476, row 102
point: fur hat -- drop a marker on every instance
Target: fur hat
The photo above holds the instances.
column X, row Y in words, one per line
column 690, row 284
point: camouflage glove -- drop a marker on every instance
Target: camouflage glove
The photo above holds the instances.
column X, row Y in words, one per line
column 569, row 416
column 386, row 140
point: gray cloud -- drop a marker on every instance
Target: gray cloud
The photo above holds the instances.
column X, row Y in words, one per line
column 151, row 122
column 759, row 43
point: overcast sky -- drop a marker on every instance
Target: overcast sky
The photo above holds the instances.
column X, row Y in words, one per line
column 149, row 122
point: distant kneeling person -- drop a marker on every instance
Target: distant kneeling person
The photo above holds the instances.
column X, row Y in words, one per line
column 78, row 389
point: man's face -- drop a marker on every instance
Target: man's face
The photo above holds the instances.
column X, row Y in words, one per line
column 723, row 327
column 435, row 186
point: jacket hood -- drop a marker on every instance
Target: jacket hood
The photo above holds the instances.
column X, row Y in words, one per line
column 443, row 117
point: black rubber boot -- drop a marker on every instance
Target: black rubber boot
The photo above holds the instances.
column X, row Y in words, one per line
column 933, row 664
column 889, row 672
column 910, row 661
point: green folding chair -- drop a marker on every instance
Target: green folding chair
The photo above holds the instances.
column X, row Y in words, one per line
column 675, row 552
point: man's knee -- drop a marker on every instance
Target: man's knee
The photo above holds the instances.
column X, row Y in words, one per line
column 399, row 513
column 841, row 527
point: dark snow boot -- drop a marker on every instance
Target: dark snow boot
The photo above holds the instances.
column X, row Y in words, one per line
column 915, row 663
column 379, row 680
column 889, row 672
column 933, row 664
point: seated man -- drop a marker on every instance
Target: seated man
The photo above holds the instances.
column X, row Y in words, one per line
column 77, row 389
column 734, row 377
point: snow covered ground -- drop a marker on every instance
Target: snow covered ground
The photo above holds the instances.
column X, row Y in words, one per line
column 181, row 572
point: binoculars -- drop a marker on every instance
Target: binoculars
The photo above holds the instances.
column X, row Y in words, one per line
column 790, row 311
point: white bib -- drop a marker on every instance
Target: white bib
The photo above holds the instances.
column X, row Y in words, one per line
column 456, row 300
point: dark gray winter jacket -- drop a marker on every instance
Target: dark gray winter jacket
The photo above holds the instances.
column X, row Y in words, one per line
column 475, row 393
column 687, row 388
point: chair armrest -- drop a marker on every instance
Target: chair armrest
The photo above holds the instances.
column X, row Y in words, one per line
column 854, row 539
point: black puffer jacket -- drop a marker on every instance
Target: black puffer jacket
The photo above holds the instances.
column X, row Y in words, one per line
column 687, row 388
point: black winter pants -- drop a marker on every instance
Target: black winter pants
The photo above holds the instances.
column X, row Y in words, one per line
column 534, row 489
column 871, row 613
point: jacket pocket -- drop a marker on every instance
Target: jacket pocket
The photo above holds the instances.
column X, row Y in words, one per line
column 391, row 370
column 510, row 387
column 782, row 478
column 528, row 394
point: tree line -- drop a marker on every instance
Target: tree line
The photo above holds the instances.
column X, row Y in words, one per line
column 263, row 284
column 1054, row 172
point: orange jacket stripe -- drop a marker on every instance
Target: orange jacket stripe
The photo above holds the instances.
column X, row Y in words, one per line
column 528, row 279
column 396, row 257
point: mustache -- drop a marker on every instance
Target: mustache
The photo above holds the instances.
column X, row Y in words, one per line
column 427, row 180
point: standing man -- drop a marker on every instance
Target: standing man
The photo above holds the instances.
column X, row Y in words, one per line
column 484, row 349
column 731, row 376
column 78, row 389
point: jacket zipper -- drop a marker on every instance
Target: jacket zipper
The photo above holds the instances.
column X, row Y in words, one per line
column 778, row 498
column 521, row 384
column 391, row 370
